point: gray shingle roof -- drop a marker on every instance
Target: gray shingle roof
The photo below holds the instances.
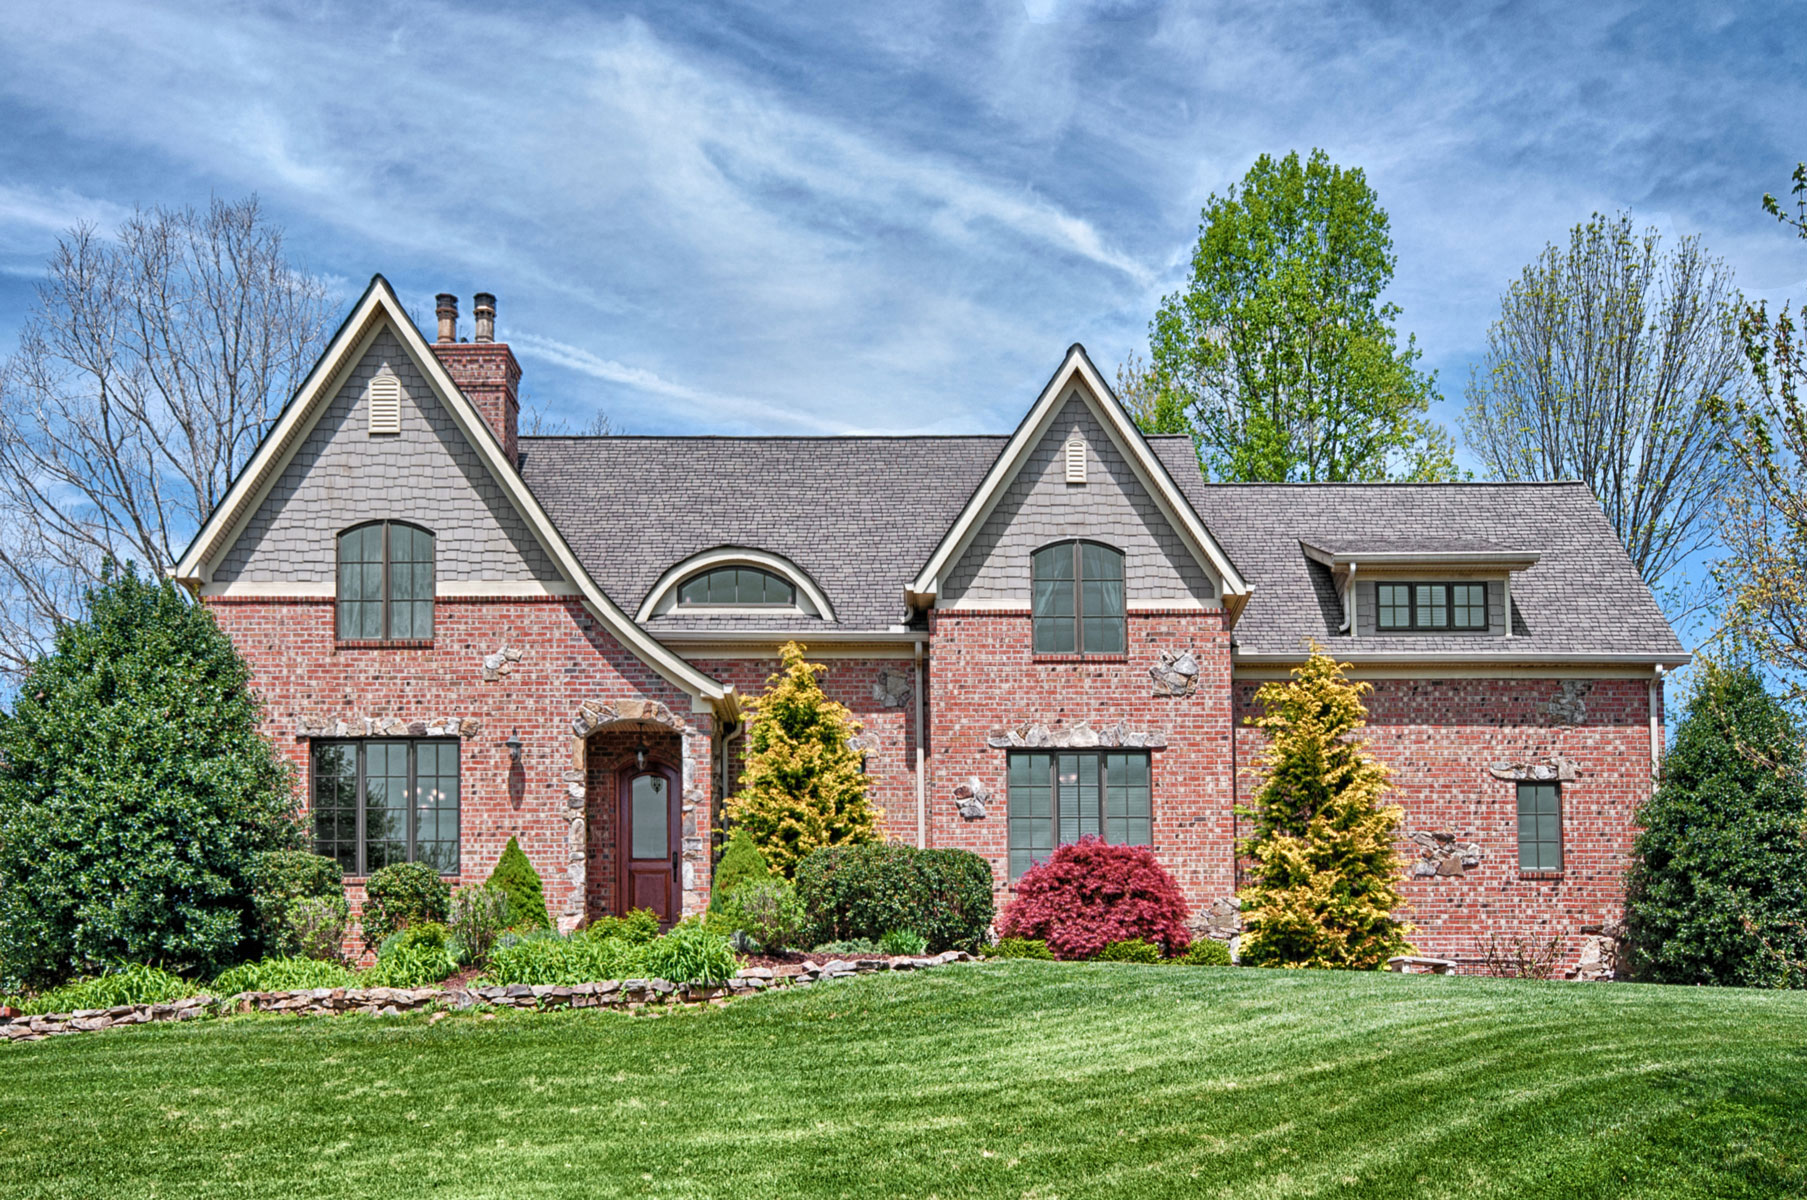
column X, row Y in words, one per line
column 862, row 515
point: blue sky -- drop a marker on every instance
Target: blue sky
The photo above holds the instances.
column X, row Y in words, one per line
column 882, row 218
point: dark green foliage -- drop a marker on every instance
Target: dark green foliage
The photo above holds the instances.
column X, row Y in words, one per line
column 903, row 943
column 282, row 975
column 526, row 898
column 848, row 948
column 1011, row 947
column 300, row 902
column 400, row 895
column 691, row 953
column 639, row 926
column 1133, row 950
column 766, row 910
column 866, row 891
column 479, row 915
column 135, row 793
column 1205, row 952
column 741, row 860
column 1717, row 893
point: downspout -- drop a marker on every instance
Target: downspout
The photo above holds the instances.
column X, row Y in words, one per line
column 1656, row 736
column 1349, row 600
column 739, row 729
column 922, row 791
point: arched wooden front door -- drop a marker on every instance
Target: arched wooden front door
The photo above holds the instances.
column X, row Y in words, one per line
column 650, row 842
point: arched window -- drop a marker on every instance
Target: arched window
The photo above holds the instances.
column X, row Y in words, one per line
column 750, row 587
column 385, row 590
column 1078, row 599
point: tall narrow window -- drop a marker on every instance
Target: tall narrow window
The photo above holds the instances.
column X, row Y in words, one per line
column 1056, row 798
column 385, row 590
column 1078, row 601
column 1539, row 827
column 378, row 803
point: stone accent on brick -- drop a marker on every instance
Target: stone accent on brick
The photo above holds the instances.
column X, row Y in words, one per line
column 1554, row 769
column 502, row 663
column 387, row 727
column 1036, row 735
column 1175, row 674
column 1439, row 853
column 971, row 797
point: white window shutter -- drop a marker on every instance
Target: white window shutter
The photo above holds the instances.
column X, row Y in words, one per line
column 385, row 396
column 1076, row 459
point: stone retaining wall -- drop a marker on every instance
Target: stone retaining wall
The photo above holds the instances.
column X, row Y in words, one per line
column 627, row 994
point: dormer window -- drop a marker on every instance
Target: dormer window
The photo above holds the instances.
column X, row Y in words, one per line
column 385, row 586
column 1431, row 607
column 1078, row 603
column 737, row 587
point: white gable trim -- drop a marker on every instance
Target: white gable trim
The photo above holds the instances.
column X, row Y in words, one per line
column 1149, row 471
column 378, row 309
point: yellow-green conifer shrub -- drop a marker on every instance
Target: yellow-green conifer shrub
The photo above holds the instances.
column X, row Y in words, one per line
column 802, row 788
column 1325, row 854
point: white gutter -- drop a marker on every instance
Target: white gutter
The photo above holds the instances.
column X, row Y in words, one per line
column 1349, row 598
column 1434, row 658
column 1656, row 729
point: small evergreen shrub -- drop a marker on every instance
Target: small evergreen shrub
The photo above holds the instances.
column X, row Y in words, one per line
column 1014, row 947
column 691, row 953
column 314, row 927
column 282, row 975
column 903, row 943
column 849, row 948
column 1131, row 950
column 766, row 910
column 400, row 895
column 867, row 891
column 1205, row 952
column 127, row 985
column 300, row 903
column 1089, row 894
column 741, row 861
column 639, row 926
column 521, row 884
column 478, row 917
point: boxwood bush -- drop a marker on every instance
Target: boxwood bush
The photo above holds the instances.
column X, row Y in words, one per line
column 400, row 895
column 1013, row 947
column 1131, row 950
column 1205, row 952
column 868, row 891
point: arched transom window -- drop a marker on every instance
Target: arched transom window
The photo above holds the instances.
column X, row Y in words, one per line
column 1078, row 599
column 739, row 587
column 385, row 588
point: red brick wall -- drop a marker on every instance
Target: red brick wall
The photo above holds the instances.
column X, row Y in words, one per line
column 1439, row 736
column 567, row 660
column 983, row 676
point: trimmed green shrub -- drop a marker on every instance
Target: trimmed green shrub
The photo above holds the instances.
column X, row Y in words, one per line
column 867, row 891
column 1131, row 950
column 282, row 975
column 849, row 948
column 742, row 860
column 314, row 927
column 903, row 943
column 691, row 953
column 766, row 910
column 521, row 884
column 136, row 793
column 1014, row 947
column 479, row 915
column 1205, row 952
column 1717, row 892
column 128, row 985
column 400, row 895
column 639, row 926
column 300, row 903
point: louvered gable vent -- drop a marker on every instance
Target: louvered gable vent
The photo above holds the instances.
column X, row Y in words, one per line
column 1076, row 459
column 385, row 396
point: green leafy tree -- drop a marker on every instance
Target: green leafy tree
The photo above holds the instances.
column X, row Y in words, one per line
column 1717, row 892
column 136, row 793
column 1279, row 357
column 1324, row 848
column 515, row 875
column 803, row 787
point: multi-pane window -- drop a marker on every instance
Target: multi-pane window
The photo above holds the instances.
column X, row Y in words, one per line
column 1431, row 606
column 380, row 802
column 1539, row 827
column 738, row 586
column 1060, row 797
column 1078, row 599
column 385, row 590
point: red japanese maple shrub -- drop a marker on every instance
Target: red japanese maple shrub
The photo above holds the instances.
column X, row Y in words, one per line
column 1089, row 894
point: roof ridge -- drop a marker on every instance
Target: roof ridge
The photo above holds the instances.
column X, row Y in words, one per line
column 763, row 437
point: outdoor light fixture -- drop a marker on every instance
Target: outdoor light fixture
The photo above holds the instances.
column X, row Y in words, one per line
column 514, row 747
column 640, row 757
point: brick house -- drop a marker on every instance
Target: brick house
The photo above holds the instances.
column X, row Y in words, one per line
column 462, row 635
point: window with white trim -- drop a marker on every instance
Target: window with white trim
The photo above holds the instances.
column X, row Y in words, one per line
column 1430, row 607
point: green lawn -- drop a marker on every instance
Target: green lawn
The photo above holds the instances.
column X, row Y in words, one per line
column 1012, row 1079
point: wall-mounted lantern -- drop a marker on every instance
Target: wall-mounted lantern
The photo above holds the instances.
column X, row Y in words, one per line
column 640, row 757
column 514, row 747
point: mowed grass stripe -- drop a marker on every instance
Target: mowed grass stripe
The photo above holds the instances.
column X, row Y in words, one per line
column 1010, row 1079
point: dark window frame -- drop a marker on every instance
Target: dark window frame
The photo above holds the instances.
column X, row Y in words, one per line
column 789, row 585
column 1416, row 625
column 388, row 601
column 360, row 866
column 1538, row 865
column 1077, row 581
column 1100, row 819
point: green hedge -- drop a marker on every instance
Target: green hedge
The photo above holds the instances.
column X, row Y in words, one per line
column 867, row 891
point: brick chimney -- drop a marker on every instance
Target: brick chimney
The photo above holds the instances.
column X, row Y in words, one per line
column 484, row 369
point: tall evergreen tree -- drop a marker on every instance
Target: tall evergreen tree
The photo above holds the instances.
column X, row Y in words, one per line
column 803, row 787
column 1325, row 849
column 1717, row 892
